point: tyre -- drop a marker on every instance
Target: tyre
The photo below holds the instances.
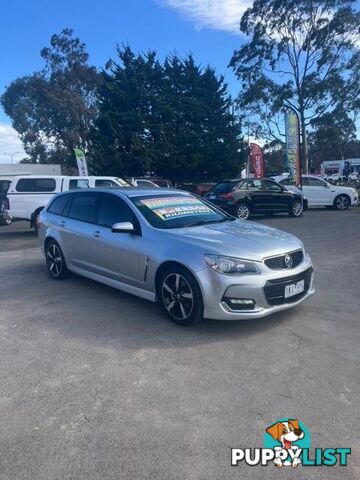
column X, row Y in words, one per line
column 180, row 296
column 342, row 202
column 55, row 261
column 296, row 209
column 243, row 211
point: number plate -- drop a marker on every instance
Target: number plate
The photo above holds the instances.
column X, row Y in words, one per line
column 294, row 289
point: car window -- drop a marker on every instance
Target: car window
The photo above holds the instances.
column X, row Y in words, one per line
column 84, row 207
column 4, row 185
column 36, row 185
column 314, row 182
column 177, row 211
column 145, row 183
column 57, row 205
column 268, row 185
column 81, row 183
column 286, row 182
column 251, row 184
column 113, row 209
column 224, row 187
column 105, row 183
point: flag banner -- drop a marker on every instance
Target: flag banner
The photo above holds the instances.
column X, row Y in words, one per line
column 81, row 162
column 257, row 160
column 292, row 146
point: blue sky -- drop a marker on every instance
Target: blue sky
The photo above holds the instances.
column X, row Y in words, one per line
column 207, row 28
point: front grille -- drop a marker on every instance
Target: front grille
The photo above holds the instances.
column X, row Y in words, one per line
column 278, row 262
column 275, row 289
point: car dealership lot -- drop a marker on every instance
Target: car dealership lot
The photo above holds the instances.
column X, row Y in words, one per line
column 96, row 383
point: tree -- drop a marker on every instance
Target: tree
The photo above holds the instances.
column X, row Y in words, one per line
column 54, row 109
column 171, row 119
column 302, row 54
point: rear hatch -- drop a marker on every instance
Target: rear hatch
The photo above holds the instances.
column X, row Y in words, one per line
column 222, row 191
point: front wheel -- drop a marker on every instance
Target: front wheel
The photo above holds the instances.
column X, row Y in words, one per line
column 342, row 202
column 243, row 211
column 296, row 209
column 180, row 296
column 55, row 261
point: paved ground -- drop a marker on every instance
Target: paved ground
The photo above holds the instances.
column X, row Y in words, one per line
column 96, row 384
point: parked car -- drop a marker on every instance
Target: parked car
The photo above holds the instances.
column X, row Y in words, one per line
column 245, row 197
column 354, row 176
column 5, row 218
column 142, row 182
column 28, row 195
column 318, row 192
column 161, row 182
column 202, row 188
column 175, row 248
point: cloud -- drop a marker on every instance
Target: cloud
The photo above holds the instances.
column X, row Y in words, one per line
column 216, row 14
column 10, row 144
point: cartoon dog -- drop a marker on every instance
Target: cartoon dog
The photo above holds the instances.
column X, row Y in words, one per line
column 286, row 433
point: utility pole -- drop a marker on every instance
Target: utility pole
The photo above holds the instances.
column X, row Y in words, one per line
column 11, row 155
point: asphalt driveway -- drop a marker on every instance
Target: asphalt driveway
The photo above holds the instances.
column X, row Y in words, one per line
column 98, row 384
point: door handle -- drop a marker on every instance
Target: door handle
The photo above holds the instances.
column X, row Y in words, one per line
column 97, row 234
column 62, row 223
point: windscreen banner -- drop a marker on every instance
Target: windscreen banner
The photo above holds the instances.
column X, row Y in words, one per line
column 257, row 160
column 292, row 146
column 81, row 162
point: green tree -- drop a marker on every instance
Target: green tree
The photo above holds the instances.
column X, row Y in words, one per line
column 302, row 54
column 171, row 119
column 54, row 109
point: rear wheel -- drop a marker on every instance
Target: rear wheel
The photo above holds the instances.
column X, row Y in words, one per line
column 342, row 202
column 55, row 261
column 296, row 209
column 243, row 211
column 180, row 296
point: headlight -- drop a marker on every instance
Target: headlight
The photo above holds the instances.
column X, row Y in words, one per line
column 230, row 265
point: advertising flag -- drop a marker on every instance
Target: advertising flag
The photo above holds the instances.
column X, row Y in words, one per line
column 292, row 146
column 257, row 160
column 81, row 162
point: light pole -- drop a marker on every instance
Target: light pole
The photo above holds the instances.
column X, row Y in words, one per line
column 11, row 155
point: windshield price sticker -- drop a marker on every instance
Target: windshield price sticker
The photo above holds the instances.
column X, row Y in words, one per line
column 175, row 207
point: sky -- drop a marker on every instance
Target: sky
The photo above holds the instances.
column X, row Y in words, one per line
column 207, row 28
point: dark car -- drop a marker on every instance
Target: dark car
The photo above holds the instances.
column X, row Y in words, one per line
column 244, row 197
column 5, row 218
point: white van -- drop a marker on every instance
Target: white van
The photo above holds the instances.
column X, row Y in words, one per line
column 28, row 195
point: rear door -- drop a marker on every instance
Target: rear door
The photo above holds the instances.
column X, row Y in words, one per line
column 317, row 192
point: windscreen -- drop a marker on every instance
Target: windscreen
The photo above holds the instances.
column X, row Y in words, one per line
column 177, row 211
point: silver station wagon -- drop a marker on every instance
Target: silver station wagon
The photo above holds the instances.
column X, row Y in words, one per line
column 173, row 247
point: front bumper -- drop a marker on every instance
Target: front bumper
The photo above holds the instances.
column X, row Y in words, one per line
column 216, row 287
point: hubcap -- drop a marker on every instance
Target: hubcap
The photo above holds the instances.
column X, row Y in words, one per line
column 54, row 260
column 297, row 209
column 342, row 203
column 177, row 296
column 243, row 212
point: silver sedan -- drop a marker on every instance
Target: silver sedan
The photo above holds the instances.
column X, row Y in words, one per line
column 173, row 247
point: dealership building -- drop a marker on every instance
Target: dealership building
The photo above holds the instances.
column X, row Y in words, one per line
column 343, row 167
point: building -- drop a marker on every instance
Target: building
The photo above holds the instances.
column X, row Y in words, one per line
column 342, row 167
column 12, row 169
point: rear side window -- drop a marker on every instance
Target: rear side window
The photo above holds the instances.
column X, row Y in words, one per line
column 105, row 183
column 36, row 185
column 251, row 185
column 57, row 206
column 84, row 208
column 224, row 187
column 74, row 184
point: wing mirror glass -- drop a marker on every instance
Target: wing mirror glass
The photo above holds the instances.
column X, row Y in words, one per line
column 123, row 227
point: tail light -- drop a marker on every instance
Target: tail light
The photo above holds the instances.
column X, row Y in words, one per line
column 225, row 195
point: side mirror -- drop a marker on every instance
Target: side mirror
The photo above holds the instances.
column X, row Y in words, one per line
column 123, row 227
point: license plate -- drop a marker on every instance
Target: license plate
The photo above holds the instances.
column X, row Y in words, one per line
column 212, row 197
column 294, row 289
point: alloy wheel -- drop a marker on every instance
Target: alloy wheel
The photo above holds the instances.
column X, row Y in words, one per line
column 54, row 260
column 342, row 203
column 178, row 297
column 297, row 209
column 243, row 212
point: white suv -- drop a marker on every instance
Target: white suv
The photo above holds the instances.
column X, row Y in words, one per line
column 318, row 192
column 28, row 195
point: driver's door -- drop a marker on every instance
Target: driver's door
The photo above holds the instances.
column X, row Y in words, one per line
column 118, row 255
